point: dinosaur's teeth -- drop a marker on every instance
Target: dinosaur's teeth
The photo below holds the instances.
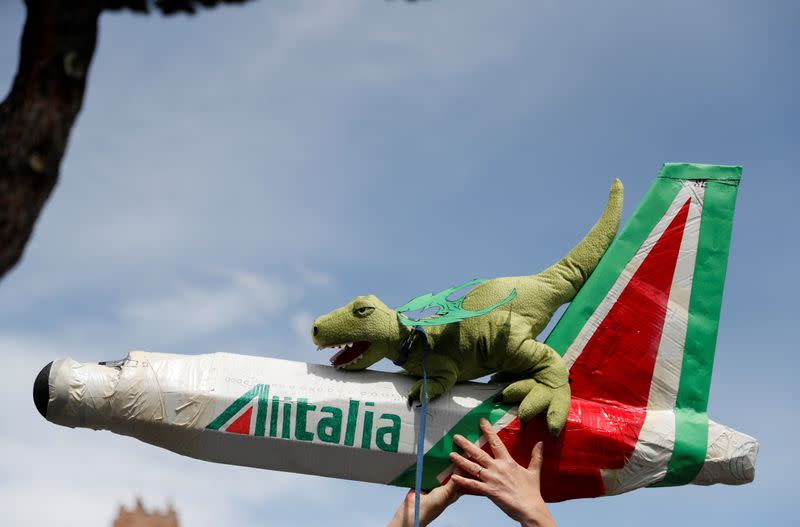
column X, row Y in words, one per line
column 337, row 346
column 357, row 359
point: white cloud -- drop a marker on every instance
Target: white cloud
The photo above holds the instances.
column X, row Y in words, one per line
column 82, row 476
column 242, row 298
column 301, row 324
column 315, row 278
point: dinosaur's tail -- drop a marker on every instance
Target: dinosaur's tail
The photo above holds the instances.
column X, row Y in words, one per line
column 568, row 276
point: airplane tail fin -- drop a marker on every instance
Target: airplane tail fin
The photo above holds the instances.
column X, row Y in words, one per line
column 642, row 330
column 639, row 341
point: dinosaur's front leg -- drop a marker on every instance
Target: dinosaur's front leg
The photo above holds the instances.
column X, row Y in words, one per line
column 442, row 375
column 547, row 389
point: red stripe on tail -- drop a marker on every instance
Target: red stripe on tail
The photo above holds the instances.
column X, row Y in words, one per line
column 616, row 365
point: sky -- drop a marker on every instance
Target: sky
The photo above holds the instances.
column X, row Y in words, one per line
column 235, row 174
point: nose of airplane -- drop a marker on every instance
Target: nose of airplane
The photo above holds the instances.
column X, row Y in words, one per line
column 41, row 390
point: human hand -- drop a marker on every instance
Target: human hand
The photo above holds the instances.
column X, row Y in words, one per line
column 512, row 487
column 431, row 505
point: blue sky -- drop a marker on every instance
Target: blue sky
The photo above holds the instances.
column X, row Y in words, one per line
column 235, row 174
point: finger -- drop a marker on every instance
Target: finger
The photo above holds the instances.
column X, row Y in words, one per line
column 535, row 402
column 497, row 446
column 537, row 457
column 449, row 488
column 470, row 486
column 516, row 391
column 467, row 466
column 478, row 455
column 559, row 409
column 411, row 496
column 442, row 496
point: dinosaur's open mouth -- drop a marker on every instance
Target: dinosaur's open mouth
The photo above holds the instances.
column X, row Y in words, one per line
column 349, row 352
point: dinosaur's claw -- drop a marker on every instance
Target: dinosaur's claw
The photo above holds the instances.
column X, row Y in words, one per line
column 415, row 393
column 536, row 398
column 559, row 410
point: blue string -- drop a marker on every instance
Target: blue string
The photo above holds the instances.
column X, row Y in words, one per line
column 422, row 421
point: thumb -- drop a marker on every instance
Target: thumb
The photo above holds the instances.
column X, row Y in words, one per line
column 536, row 458
column 450, row 490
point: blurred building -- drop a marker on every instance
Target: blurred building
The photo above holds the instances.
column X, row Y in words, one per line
column 139, row 517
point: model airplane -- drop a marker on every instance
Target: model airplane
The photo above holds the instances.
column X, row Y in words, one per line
column 638, row 339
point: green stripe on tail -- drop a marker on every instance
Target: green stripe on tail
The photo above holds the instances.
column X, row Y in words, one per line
column 691, row 419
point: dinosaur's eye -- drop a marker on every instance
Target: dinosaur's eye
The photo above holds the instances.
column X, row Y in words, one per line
column 363, row 311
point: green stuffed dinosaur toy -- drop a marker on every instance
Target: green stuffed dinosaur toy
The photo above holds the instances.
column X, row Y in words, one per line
column 492, row 328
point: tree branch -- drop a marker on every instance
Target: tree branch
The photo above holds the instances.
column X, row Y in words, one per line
column 167, row 7
column 36, row 118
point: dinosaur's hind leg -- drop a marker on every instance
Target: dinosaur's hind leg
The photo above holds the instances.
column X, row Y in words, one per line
column 533, row 397
column 545, row 386
column 536, row 398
